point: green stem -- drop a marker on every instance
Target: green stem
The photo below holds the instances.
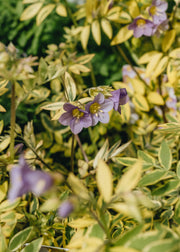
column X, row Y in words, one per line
column 72, row 153
column 13, row 121
column 100, row 224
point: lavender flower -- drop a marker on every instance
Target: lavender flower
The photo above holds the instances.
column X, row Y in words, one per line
column 157, row 11
column 141, row 27
column 75, row 117
column 65, row 209
column 119, row 97
column 159, row 29
column 24, row 180
column 99, row 109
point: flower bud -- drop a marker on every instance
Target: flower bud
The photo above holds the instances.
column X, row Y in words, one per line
column 65, row 209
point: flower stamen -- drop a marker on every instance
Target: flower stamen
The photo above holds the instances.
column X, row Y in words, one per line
column 94, row 108
column 76, row 113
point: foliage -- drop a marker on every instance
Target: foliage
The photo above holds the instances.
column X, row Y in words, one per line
column 115, row 183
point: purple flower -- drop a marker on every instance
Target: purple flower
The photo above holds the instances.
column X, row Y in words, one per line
column 75, row 117
column 24, row 180
column 119, row 97
column 157, row 11
column 141, row 27
column 159, row 29
column 65, row 209
column 99, row 109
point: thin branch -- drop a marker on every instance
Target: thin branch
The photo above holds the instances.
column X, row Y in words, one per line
column 82, row 150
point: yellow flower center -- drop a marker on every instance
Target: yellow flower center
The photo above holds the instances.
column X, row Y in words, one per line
column 77, row 113
column 94, row 108
column 153, row 10
column 140, row 22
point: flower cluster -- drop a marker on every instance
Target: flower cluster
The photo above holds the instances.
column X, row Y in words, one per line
column 156, row 25
column 94, row 112
column 23, row 180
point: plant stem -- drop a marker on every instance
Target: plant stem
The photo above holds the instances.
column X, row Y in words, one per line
column 100, row 224
column 13, row 121
column 72, row 153
column 129, row 62
column 82, row 150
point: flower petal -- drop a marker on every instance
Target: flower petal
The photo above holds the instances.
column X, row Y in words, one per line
column 99, row 98
column 86, row 121
column 103, row 117
column 65, row 118
column 76, row 126
column 68, row 106
column 95, row 119
column 107, row 105
column 124, row 98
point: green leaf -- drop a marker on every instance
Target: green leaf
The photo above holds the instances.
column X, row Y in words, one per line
column 166, row 245
column 167, row 188
column 7, row 206
column 33, row 246
column 152, row 178
column 3, row 245
column 19, row 239
column 44, row 12
column 178, row 169
column 128, row 161
column 165, row 156
column 142, row 239
column 104, row 180
column 131, row 234
column 97, row 231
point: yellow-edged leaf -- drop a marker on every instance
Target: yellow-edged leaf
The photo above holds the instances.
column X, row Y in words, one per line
column 4, row 143
column 138, row 86
column 77, row 186
column 130, row 179
column 160, row 67
column 107, row 28
column 175, row 54
column 133, row 9
column 154, row 61
column 122, row 249
column 168, row 39
column 165, row 155
column 70, row 87
column 83, row 222
column 29, row 1
column 3, row 190
column 140, row 102
column 125, row 113
column 1, row 125
column 85, row 36
column 101, row 153
column 96, row 31
column 53, row 106
column 61, row 10
column 155, row 98
column 31, row 11
column 104, row 180
column 123, row 35
column 145, row 58
column 44, row 12
column 77, row 69
column 2, row 109
column 172, row 73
